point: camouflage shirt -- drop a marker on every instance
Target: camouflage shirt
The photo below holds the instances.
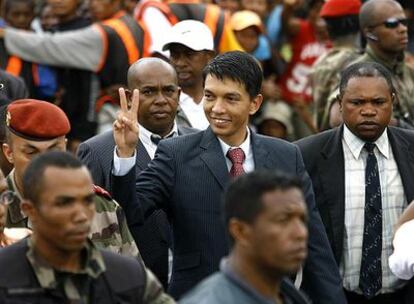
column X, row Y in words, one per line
column 76, row 285
column 325, row 77
column 109, row 228
column 403, row 79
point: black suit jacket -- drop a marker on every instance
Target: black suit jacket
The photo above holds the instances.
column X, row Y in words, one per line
column 154, row 237
column 324, row 160
column 187, row 178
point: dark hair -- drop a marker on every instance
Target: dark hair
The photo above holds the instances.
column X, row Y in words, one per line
column 365, row 69
column 237, row 66
column 34, row 174
column 7, row 4
column 243, row 197
column 342, row 26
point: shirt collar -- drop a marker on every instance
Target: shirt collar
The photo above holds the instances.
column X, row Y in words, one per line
column 245, row 146
column 145, row 135
column 356, row 144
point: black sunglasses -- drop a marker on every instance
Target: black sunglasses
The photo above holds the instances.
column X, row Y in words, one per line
column 392, row 23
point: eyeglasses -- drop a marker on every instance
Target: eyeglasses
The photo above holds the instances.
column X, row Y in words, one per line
column 7, row 197
column 393, row 23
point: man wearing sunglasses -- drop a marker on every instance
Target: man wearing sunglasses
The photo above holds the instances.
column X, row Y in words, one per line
column 384, row 25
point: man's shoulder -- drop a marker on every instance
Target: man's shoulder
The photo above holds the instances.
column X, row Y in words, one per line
column 271, row 142
column 335, row 58
column 402, row 134
column 13, row 262
column 101, row 140
column 316, row 139
column 214, row 289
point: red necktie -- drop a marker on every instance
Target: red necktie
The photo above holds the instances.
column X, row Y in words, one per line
column 237, row 158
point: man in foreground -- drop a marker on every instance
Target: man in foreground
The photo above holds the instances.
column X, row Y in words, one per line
column 266, row 218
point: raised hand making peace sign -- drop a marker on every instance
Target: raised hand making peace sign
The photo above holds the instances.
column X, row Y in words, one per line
column 126, row 128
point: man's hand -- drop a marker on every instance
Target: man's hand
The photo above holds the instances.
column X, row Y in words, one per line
column 126, row 128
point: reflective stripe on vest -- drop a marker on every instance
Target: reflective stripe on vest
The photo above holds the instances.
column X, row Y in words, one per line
column 14, row 66
column 127, row 38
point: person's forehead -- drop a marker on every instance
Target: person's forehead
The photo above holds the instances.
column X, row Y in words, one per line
column 225, row 85
column 388, row 10
column 283, row 201
column 22, row 142
column 60, row 178
column 155, row 74
column 357, row 85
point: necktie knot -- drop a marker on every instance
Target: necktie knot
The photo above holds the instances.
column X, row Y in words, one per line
column 155, row 138
column 236, row 156
column 369, row 147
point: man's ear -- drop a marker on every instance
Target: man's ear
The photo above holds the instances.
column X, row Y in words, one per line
column 339, row 101
column 29, row 209
column 255, row 104
column 8, row 152
column 240, row 231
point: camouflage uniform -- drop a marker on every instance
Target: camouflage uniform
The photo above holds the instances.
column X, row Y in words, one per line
column 94, row 266
column 325, row 77
column 109, row 228
column 403, row 79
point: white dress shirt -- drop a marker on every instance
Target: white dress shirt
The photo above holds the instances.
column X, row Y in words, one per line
column 194, row 112
column 393, row 204
column 248, row 164
column 402, row 260
column 123, row 165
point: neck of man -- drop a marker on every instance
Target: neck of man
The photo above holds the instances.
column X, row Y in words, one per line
column 196, row 92
column 64, row 260
column 161, row 132
column 391, row 57
column 267, row 286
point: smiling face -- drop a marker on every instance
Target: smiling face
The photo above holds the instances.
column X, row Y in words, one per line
column 366, row 107
column 228, row 107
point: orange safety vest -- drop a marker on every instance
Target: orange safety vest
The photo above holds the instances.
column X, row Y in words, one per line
column 210, row 14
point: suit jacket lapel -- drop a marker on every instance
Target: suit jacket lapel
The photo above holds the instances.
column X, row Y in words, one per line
column 213, row 157
column 404, row 158
column 260, row 153
column 332, row 175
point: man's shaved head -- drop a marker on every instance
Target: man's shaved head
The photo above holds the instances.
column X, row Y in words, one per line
column 140, row 67
column 368, row 15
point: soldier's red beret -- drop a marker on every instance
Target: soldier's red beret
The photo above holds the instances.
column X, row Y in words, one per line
column 36, row 120
column 338, row 8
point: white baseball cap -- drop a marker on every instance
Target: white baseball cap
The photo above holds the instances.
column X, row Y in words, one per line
column 191, row 33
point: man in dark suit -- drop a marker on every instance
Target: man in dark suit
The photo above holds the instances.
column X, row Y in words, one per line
column 156, row 81
column 362, row 174
column 188, row 176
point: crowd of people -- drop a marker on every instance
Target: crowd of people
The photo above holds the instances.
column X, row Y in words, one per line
column 228, row 151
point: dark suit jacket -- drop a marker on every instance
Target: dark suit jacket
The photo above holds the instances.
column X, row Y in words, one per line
column 153, row 238
column 324, row 160
column 187, row 178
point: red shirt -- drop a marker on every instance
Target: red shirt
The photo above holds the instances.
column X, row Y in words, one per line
column 306, row 49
